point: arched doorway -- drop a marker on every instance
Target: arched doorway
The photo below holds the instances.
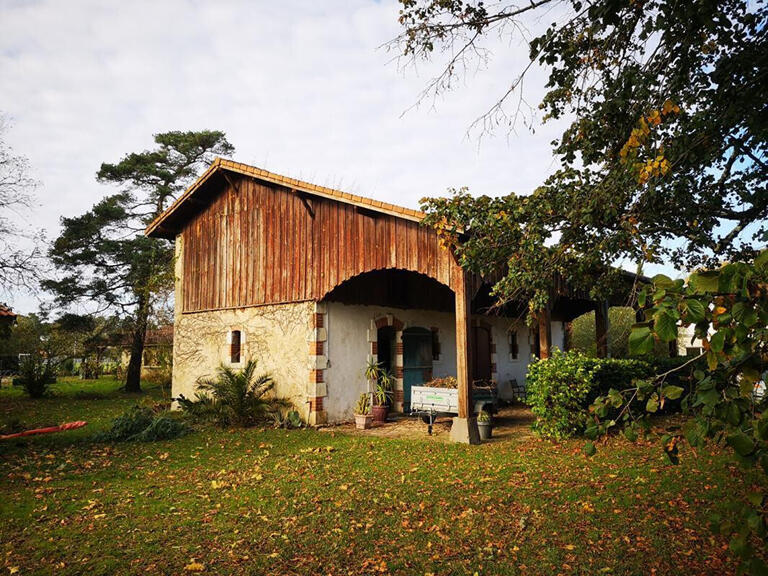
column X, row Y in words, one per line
column 385, row 348
column 417, row 360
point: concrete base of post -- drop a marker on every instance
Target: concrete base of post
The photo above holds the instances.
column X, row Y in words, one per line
column 464, row 431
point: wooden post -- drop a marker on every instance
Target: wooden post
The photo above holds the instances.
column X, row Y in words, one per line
column 464, row 426
column 545, row 332
column 601, row 329
column 463, row 344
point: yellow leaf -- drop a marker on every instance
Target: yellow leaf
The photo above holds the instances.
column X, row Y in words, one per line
column 194, row 567
column 569, row 546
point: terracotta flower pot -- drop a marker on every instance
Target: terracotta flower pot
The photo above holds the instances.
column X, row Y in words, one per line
column 380, row 412
column 363, row 421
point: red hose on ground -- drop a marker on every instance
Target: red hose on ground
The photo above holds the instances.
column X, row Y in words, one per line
column 50, row 429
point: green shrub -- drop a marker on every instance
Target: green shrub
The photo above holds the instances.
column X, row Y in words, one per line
column 36, row 374
column 561, row 388
column 141, row 424
column 234, row 398
column 289, row 420
column 558, row 391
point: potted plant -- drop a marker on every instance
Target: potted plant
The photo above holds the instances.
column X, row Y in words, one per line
column 363, row 417
column 484, row 424
column 372, row 371
column 382, row 389
column 381, row 395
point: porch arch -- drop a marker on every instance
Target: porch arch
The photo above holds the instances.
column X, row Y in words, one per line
column 394, row 288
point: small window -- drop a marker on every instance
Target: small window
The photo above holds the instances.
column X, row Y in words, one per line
column 693, row 351
column 234, row 347
column 514, row 349
column 435, row 344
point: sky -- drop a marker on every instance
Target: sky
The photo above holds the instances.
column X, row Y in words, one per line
column 302, row 88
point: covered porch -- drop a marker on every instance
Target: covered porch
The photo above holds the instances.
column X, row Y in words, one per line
column 419, row 328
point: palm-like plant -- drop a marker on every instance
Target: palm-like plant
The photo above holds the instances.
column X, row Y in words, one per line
column 383, row 391
column 240, row 397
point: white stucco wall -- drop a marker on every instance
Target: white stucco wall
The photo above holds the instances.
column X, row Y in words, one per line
column 275, row 336
column 348, row 349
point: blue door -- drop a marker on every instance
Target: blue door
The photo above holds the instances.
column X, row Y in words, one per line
column 417, row 360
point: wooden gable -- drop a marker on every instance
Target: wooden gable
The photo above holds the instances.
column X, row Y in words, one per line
column 258, row 242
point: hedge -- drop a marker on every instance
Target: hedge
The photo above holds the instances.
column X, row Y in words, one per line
column 561, row 388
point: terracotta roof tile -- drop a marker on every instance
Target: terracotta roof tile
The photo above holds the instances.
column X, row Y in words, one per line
column 6, row 311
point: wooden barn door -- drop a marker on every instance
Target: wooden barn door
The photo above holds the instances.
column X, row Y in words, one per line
column 481, row 354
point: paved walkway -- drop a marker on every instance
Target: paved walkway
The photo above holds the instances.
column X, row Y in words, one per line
column 510, row 424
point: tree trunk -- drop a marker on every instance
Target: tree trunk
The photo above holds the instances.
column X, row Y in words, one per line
column 133, row 373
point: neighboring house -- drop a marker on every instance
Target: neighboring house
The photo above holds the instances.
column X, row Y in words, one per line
column 7, row 320
column 158, row 350
column 312, row 283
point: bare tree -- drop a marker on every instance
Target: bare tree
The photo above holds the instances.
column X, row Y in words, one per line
column 20, row 253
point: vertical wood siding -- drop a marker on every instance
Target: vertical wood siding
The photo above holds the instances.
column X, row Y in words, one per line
column 259, row 244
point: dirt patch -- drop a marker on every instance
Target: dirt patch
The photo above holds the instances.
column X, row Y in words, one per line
column 511, row 424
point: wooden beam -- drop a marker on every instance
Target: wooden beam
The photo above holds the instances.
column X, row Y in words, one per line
column 463, row 290
column 545, row 332
column 601, row 329
column 309, row 207
column 231, row 182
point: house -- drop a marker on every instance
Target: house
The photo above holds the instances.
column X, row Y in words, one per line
column 158, row 350
column 313, row 282
column 7, row 320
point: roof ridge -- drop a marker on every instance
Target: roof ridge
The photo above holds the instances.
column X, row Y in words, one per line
column 292, row 183
column 227, row 163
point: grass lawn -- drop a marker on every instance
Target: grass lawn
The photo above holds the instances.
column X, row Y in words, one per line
column 320, row 502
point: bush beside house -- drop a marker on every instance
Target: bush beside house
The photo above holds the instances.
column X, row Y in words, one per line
column 562, row 388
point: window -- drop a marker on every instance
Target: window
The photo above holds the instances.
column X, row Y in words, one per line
column 693, row 351
column 435, row 345
column 234, row 347
column 514, row 349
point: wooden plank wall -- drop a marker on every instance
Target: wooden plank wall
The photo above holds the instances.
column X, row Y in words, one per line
column 258, row 243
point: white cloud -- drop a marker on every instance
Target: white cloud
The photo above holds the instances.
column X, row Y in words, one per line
column 300, row 88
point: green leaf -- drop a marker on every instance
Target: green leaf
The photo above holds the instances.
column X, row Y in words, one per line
column 663, row 281
column 672, row 392
column 653, row 404
column 665, row 325
column 615, row 398
column 741, row 443
column 641, row 340
column 761, row 262
column 696, row 312
column 762, row 427
column 755, row 498
column 711, row 359
column 728, row 280
column 589, row 449
column 630, row 434
column 717, row 341
column 591, row 432
column 739, row 545
column 703, row 282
